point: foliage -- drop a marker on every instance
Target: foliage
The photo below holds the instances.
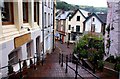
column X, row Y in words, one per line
column 118, row 67
column 100, row 65
column 91, row 46
column 115, row 61
column 66, row 6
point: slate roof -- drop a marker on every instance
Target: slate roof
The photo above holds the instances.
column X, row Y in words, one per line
column 101, row 17
column 83, row 13
column 63, row 15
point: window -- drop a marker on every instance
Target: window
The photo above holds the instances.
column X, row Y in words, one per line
column 69, row 19
column 7, row 13
column 51, row 20
column 93, row 28
column 93, row 19
column 72, row 28
column 36, row 12
column 73, row 36
column 29, row 50
column 13, row 57
column 45, row 2
column 62, row 22
column 77, row 28
column 78, row 18
column 45, row 20
column 69, row 27
column 68, row 36
column 48, row 19
column 49, row 3
column 25, row 12
column 61, row 29
column 38, row 44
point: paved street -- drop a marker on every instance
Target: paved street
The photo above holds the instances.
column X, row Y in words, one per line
column 53, row 70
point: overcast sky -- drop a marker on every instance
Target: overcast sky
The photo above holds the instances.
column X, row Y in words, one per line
column 96, row 3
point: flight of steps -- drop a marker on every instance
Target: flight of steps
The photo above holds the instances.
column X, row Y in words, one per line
column 82, row 72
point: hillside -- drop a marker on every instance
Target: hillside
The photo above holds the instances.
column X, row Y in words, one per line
column 65, row 6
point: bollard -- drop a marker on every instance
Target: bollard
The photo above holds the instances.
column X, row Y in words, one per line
column 42, row 59
column 59, row 58
column 62, row 61
column 70, row 58
column 34, row 63
column 66, row 70
column 20, row 69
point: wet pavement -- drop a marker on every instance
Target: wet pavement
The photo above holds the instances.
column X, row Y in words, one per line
column 51, row 68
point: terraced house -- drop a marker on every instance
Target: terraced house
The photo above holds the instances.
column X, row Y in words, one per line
column 70, row 24
column 26, row 30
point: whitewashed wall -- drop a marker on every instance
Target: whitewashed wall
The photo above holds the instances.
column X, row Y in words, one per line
column 74, row 22
column 97, row 23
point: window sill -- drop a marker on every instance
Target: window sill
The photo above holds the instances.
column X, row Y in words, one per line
column 7, row 23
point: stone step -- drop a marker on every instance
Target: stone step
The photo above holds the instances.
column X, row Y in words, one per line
column 82, row 72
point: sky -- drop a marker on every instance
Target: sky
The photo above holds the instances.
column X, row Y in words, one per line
column 95, row 3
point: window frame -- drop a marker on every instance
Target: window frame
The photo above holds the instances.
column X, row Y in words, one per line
column 38, row 44
column 36, row 12
column 26, row 12
column 93, row 19
column 93, row 28
column 69, row 28
column 78, row 18
column 11, row 15
column 45, row 20
column 77, row 28
column 29, row 52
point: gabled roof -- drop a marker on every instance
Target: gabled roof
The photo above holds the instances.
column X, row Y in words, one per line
column 63, row 15
column 101, row 17
column 83, row 13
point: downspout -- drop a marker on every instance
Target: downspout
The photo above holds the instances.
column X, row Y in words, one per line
column 43, row 30
column 53, row 26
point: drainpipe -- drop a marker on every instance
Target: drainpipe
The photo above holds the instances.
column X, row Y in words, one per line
column 53, row 25
column 43, row 30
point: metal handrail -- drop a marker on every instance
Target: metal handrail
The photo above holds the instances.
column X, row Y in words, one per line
column 86, row 69
column 21, row 68
column 75, row 70
column 79, row 64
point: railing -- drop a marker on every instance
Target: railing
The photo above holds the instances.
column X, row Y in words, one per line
column 61, row 61
column 23, row 68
